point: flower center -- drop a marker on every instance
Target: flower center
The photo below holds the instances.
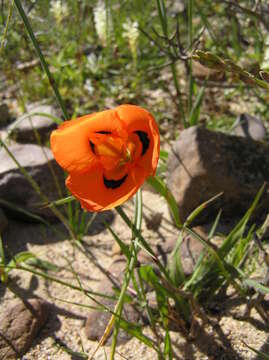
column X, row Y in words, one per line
column 113, row 152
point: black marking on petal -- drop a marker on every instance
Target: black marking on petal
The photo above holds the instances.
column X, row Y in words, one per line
column 114, row 184
column 143, row 137
column 92, row 146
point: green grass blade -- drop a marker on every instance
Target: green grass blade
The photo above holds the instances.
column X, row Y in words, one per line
column 2, row 252
column 36, row 187
column 262, row 355
column 256, row 285
column 124, row 248
column 175, row 267
column 199, row 209
column 13, row 126
column 214, row 270
column 193, row 113
column 3, row 270
column 24, row 212
column 136, row 331
column 10, row 10
column 168, row 353
column 19, row 258
column 131, row 264
column 60, row 202
column 214, row 226
column 41, row 57
column 195, row 109
column 162, row 16
column 163, row 190
column 240, row 227
column 43, row 264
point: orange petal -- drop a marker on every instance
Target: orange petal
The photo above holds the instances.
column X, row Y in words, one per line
column 137, row 119
column 93, row 195
column 70, row 142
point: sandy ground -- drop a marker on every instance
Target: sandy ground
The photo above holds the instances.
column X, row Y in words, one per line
column 66, row 321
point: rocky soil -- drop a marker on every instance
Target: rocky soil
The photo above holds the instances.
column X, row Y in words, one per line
column 65, row 326
column 53, row 318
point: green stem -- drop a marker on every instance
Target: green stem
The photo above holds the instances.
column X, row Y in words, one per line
column 130, row 270
column 141, row 242
column 41, row 57
column 177, row 87
column 190, row 40
column 61, row 282
column 3, row 274
column 10, row 9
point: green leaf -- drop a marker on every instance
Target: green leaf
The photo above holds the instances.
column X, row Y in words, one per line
column 2, row 252
column 256, row 285
column 20, row 258
column 174, row 263
column 63, row 201
column 43, row 264
column 214, row 226
column 195, row 111
column 199, row 209
column 163, row 155
column 136, row 331
column 124, row 248
column 168, row 346
column 213, row 270
column 74, row 354
column 163, row 190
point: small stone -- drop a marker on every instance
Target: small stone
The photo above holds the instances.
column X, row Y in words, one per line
column 19, row 325
column 3, row 221
column 250, row 127
column 24, row 129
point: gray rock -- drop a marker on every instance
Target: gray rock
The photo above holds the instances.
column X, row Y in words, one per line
column 4, row 115
column 16, row 189
column 250, row 127
column 23, row 129
column 19, row 325
column 3, row 221
column 203, row 163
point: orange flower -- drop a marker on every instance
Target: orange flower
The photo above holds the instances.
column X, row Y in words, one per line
column 108, row 155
